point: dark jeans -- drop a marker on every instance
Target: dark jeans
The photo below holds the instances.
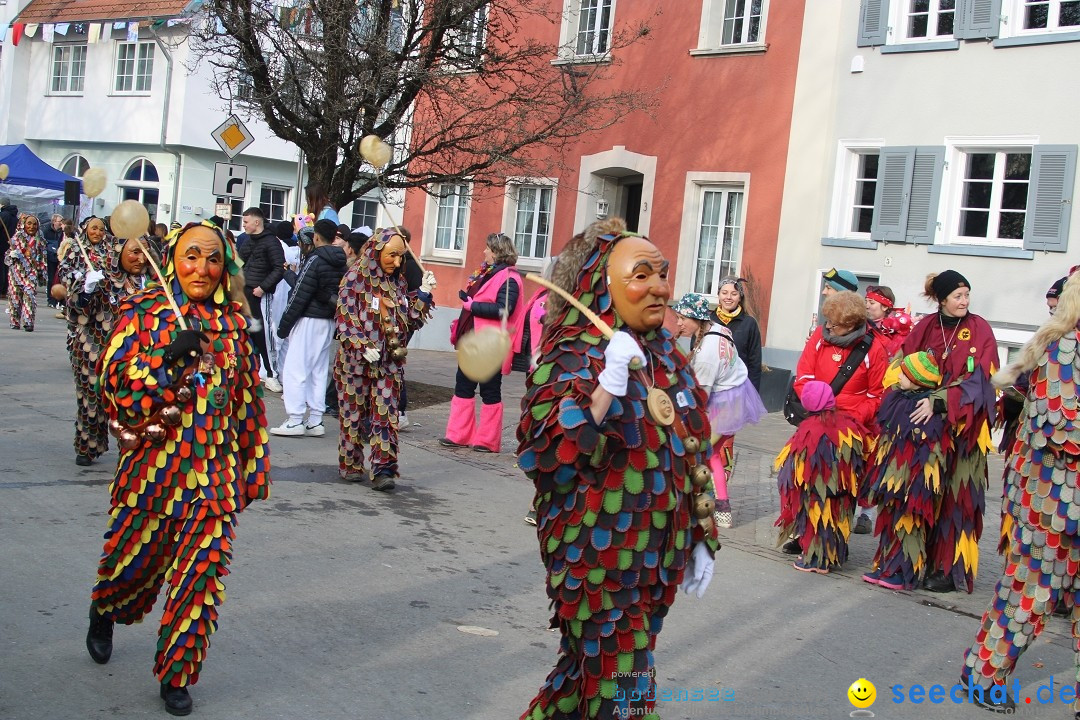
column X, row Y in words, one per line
column 259, row 338
column 51, row 264
column 490, row 391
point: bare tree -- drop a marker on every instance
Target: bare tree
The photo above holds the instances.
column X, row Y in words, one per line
column 457, row 87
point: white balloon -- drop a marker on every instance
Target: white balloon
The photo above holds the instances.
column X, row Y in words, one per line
column 4, row 169
column 375, row 151
column 93, row 182
column 129, row 219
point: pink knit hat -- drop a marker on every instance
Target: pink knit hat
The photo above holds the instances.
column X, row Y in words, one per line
column 817, row 396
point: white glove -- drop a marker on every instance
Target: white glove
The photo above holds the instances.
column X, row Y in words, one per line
column 699, row 571
column 92, row 279
column 428, row 283
column 371, row 355
column 621, row 351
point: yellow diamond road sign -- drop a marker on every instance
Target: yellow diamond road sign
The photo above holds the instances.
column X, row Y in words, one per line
column 232, row 136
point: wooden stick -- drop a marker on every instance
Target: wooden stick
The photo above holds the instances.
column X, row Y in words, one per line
column 164, row 285
column 593, row 317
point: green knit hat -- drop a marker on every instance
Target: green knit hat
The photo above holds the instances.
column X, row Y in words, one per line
column 921, row 369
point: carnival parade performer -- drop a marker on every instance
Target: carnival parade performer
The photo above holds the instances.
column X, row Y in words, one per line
column 493, row 291
column 1043, row 560
column 184, row 400
column 619, row 459
column 818, row 473
column 904, row 478
column 375, row 314
column 965, row 350
column 25, row 260
column 733, row 400
column 89, row 311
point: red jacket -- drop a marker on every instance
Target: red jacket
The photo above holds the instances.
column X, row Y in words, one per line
column 861, row 395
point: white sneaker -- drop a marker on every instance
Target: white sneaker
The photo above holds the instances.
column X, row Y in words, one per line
column 402, row 421
column 272, row 384
column 289, row 430
column 314, row 430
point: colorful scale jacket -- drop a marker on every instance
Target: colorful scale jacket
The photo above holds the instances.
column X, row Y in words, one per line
column 216, row 456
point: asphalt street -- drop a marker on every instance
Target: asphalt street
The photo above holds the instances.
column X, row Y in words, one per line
column 428, row 602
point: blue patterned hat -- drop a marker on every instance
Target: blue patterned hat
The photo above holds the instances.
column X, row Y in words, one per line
column 693, row 305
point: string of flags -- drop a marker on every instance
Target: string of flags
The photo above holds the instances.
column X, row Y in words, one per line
column 95, row 31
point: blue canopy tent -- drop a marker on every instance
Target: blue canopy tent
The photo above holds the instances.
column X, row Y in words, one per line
column 32, row 183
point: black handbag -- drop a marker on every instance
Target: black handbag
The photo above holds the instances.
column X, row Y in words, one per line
column 795, row 413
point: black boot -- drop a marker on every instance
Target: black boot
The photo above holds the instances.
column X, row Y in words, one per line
column 83, row 460
column 1006, row 706
column 177, row 700
column 938, row 582
column 791, row 547
column 99, row 637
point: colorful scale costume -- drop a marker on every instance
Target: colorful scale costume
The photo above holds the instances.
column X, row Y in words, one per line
column 819, row 470
column 375, row 310
column 90, row 321
column 613, row 505
column 26, row 270
column 905, row 483
column 194, row 453
column 1043, row 560
column 966, row 366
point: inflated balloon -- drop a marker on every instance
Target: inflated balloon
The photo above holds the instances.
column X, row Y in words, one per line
column 58, row 292
column 93, row 182
column 129, row 220
column 3, row 171
column 480, row 354
column 376, row 152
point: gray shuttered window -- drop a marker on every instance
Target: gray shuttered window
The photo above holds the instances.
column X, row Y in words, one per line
column 1050, row 197
column 977, row 19
column 873, row 22
column 909, row 186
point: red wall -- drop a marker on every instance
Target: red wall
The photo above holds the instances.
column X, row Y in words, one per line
column 718, row 113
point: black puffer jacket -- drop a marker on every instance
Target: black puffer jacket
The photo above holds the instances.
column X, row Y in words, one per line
column 747, row 335
column 264, row 261
column 316, row 291
column 9, row 215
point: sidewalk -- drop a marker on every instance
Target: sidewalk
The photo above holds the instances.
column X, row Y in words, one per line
column 754, row 497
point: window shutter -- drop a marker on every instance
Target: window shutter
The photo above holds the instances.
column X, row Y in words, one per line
column 873, row 22
column 976, row 19
column 925, row 190
column 1050, row 197
column 895, row 168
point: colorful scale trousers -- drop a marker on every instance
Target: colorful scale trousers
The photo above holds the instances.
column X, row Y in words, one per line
column 953, row 543
column 85, row 341
column 190, row 556
column 367, row 412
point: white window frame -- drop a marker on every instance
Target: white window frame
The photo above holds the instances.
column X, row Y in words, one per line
column 68, row 63
column 899, row 14
column 697, row 184
column 956, row 150
column 711, row 29
column 235, row 223
column 465, row 46
column 432, row 227
column 1013, row 16
column 848, row 155
column 141, row 187
column 514, row 186
column 374, row 216
column 286, row 191
column 142, row 68
column 569, row 31
column 81, row 165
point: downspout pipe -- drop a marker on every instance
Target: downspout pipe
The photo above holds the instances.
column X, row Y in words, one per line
column 165, row 125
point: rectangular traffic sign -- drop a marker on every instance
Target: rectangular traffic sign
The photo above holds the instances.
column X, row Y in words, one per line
column 230, row 180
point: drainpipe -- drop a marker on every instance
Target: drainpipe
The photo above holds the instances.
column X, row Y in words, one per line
column 165, row 125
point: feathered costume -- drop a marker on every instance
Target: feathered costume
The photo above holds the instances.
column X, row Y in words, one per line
column 375, row 310
column 966, row 366
column 193, row 453
column 90, row 321
column 818, row 474
column 1043, row 560
column 905, row 482
column 613, row 505
column 26, row 270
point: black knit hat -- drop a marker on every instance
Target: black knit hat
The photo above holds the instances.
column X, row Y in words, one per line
column 1056, row 288
column 945, row 283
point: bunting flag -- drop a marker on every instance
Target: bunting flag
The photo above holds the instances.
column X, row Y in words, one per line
column 62, row 28
column 93, row 33
column 118, row 25
column 17, row 32
column 48, row 32
column 79, row 28
column 133, row 32
column 31, row 29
